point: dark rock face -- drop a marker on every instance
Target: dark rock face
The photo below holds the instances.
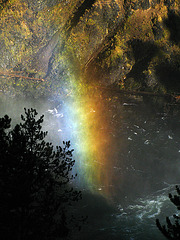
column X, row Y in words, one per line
column 40, row 61
column 157, row 29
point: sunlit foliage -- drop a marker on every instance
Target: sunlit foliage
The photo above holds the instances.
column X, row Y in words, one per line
column 47, row 38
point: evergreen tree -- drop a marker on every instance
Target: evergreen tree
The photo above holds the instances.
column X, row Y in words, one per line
column 172, row 231
column 35, row 182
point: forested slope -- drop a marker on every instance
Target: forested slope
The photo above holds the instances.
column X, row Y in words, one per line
column 134, row 44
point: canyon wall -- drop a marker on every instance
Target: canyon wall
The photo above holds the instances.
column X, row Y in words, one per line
column 132, row 44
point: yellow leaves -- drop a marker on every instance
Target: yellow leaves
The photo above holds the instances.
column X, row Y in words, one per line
column 25, row 30
column 15, row 32
column 40, row 21
column 177, row 98
column 119, row 51
column 91, row 21
column 60, row 13
column 160, row 18
column 121, row 83
column 177, row 5
column 54, row 16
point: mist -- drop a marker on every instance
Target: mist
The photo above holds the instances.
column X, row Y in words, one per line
column 139, row 163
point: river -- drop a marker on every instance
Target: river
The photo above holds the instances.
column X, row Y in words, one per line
column 139, row 143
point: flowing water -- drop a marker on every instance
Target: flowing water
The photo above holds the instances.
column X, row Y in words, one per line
column 127, row 154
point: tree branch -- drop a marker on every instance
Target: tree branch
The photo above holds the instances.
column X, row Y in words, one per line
column 20, row 76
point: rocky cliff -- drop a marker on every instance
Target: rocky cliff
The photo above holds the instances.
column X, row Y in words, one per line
column 133, row 44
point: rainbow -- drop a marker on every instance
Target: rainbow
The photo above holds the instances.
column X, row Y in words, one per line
column 87, row 127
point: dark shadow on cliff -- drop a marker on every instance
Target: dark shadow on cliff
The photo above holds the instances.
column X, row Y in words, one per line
column 73, row 21
column 143, row 53
column 168, row 73
column 173, row 25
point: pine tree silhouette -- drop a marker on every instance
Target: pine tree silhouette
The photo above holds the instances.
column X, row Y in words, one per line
column 35, row 187
column 172, row 231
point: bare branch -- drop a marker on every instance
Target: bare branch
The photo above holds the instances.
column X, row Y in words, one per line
column 10, row 74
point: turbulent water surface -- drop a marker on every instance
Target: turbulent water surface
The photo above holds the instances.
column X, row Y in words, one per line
column 143, row 169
